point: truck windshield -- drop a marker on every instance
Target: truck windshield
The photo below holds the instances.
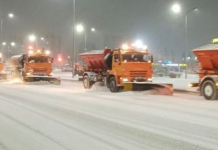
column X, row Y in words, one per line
column 38, row 60
column 135, row 58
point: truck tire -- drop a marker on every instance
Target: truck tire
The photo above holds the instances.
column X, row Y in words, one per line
column 87, row 83
column 113, row 85
column 209, row 90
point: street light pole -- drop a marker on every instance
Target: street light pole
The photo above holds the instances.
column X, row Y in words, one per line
column 186, row 43
column 8, row 52
column 176, row 8
column 85, row 41
column 186, row 38
column 86, row 35
column 1, row 26
column 1, row 32
column 73, row 51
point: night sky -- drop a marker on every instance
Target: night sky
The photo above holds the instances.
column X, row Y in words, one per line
column 116, row 22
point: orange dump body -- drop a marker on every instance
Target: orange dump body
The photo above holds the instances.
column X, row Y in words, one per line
column 208, row 59
column 94, row 60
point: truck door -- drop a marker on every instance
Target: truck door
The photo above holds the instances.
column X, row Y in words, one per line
column 116, row 66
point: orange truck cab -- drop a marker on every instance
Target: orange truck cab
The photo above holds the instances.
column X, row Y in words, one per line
column 119, row 69
column 130, row 66
column 33, row 67
column 38, row 65
column 1, row 67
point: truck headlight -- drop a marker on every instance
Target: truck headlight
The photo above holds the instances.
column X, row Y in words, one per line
column 125, row 79
column 28, row 73
column 150, row 79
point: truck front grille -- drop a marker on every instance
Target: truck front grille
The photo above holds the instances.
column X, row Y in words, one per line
column 138, row 73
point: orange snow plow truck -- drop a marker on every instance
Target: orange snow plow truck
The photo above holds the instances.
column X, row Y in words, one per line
column 128, row 70
column 33, row 67
column 208, row 71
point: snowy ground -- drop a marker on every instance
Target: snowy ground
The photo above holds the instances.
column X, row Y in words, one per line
column 65, row 75
column 178, row 83
column 48, row 117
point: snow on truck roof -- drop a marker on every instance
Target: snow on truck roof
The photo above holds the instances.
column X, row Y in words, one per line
column 94, row 52
column 207, row 47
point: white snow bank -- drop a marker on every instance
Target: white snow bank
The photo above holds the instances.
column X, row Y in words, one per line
column 179, row 83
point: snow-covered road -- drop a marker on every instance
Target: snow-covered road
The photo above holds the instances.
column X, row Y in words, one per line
column 67, row 117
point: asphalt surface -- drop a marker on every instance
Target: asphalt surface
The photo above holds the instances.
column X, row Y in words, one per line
column 41, row 116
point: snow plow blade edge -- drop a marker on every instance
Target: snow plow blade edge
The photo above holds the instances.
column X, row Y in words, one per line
column 159, row 89
column 52, row 80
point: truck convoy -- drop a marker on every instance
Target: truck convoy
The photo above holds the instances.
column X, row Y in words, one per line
column 121, row 69
column 208, row 71
column 33, row 67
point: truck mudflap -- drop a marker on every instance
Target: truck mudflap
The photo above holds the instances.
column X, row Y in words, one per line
column 53, row 80
column 159, row 89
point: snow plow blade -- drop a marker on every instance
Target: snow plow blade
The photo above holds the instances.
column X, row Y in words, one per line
column 159, row 89
column 52, row 80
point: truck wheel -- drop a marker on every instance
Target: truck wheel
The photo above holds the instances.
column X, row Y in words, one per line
column 113, row 85
column 87, row 83
column 209, row 90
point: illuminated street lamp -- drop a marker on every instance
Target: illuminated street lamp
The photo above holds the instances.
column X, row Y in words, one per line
column 42, row 38
column 80, row 28
column 11, row 15
column 32, row 38
column 93, row 29
column 4, row 43
column 1, row 24
column 13, row 44
column 176, row 8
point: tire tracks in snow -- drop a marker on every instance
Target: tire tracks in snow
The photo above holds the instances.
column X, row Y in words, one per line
column 124, row 131
column 37, row 131
column 3, row 147
column 59, row 122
